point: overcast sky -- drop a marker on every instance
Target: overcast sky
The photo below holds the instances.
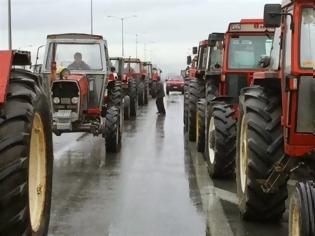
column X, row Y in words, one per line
column 168, row 28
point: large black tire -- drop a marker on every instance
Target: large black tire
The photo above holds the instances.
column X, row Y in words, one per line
column 259, row 146
column 186, row 104
column 146, row 92
column 113, row 130
column 302, row 210
column 115, row 93
column 132, row 92
column 221, row 142
column 211, row 93
column 196, row 91
column 200, row 129
column 25, row 129
column 140, row 91
column 126, row 107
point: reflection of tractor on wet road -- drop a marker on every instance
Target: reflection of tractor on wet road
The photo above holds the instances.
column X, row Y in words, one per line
column 26, row 152
column 276, row 128
column 78, row 67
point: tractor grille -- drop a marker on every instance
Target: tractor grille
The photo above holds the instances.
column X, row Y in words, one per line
column 65, row 91
column 234, row 84
column 306, row 102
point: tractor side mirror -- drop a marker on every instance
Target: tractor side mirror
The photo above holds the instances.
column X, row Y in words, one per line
column 272, row 15
column 188, row 60
column 195, row 50
column 161, row 71
column 264, row 61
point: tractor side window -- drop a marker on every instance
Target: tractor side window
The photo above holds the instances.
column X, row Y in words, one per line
column 204, row 58
column 288, row 42
column 307, row 47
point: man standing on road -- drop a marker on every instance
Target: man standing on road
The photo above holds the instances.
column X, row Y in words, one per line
column 160, row 94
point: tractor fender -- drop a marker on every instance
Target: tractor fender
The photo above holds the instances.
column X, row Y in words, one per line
column 7, row 59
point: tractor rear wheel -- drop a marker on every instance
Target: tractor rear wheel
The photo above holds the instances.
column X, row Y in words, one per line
column 259, row 147
column 196, row 91
column 26, row 157
column 113, row 130
column 302, row 210
column 186, row 104
column 220, row 147
column 132, row 92
column 200, row 129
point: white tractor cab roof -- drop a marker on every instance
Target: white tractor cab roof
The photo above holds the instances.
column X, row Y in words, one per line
column 92, row 51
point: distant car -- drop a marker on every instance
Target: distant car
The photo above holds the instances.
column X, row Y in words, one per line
column 175, row 83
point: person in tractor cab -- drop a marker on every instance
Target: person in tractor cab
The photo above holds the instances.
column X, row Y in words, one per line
column 64, row 73
column 78, row 63
column 160, row 94
column 113, row 71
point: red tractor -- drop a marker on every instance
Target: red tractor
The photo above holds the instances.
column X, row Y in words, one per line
column 194, row 88
column 134, row 71
column 245, row 43
column 128, row 88
column 78, row 67
column 26, row 159
column 276, row 127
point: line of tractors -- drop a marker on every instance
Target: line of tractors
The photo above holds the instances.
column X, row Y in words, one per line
column 77, row 88
column 249, row 105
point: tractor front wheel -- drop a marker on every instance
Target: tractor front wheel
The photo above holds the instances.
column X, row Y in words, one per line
column 113, row 130
column 302, row 210
column 220, row 147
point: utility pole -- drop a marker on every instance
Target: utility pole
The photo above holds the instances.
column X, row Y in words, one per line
column 9, row 25
column 122, row 30
column 136, row 45
column 91, row 16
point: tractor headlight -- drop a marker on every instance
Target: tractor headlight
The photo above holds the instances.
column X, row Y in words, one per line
column 56, row 100
column 74, row 100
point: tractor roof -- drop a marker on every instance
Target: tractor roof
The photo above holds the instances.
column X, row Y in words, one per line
column 132, row 60
column 203, row 43
column 249, row 26
column 74, row 36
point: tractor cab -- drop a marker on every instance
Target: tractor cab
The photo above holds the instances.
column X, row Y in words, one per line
column 118, row 64
column 78, row 68
column 245, row 43
column 294, row 66
column 201, row 63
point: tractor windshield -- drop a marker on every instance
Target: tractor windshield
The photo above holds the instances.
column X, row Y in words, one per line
column 132, row 67
column 307, row 47
column 76, row 56
column 115, row 63
column 216, row 56
column 246, row 51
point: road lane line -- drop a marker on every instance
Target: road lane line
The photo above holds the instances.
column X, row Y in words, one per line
column 217, row 222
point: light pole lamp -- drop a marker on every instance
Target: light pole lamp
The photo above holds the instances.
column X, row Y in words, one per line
column 122, row 29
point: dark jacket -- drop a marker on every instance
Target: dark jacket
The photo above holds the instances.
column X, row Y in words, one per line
column 160, row 89
column 80, row 66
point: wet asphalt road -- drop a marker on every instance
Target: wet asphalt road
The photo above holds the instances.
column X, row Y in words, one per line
column 157, row 185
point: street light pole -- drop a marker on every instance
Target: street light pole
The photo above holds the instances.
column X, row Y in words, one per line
column 122, row 30
column 122, row 37
column 9, row 25
column 91, row 16
column 136, row 45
